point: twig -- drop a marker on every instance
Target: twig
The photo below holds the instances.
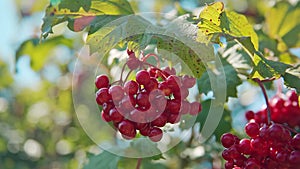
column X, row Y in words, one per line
column 260, row 83
column 139, row 162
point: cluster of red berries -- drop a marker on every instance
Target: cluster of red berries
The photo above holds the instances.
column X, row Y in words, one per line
column 146, row 104
column 270, row 146
column 285, row 110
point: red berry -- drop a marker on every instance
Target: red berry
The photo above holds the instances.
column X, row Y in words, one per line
column 106, row 107
column 102, row 81
column 138, row 116
column 185, row 107
column 131, row 87
column 115, row 115
column 133, row 63
column 143, row 77
column 296, row 141
column 244, row 146
column 173, row 83
column 105, row 116
column 117, row 93
column 173, row 106
column 160, row 121
column 127, row 129
column 145, row 131
column 227, row 140
column 155, row 134
column 163, row 86
column 188, row 81
column 153, row 84
column 252, row 129
column 249, row 115
column 102, row 96
column 294, row 157
column 142, row 100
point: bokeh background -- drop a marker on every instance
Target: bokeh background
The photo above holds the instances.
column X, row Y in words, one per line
column 38, row 125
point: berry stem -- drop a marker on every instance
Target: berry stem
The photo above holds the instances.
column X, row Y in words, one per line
column 127, row 76
column 151, row 54
column 123, row 69
column 260, row 83
column 139, row 162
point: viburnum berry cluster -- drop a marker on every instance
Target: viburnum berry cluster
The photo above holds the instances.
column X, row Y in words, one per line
column 145, row 104
column 285, row 110
column 272, row 145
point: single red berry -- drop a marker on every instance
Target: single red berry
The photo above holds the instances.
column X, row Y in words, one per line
column 138, row 116
column 181, row 94
column 152, row 85
column 252, row 129
column 244, row 147
column 249, row 115
column 185, row 107
column 155, row 134
column 117, row 93
column 173, row 106
column 102, row 96
column 106, row 107
column 105, row 116
column 102, row 81
column 163, row 86
column 131, row 87
column 229, row 164
column 133, row 63
column 143, row 77
column 227, row 140
column 173, row 83
column 160, row 121
column 188, row 81
column 296, row 141
column 115, row 115
column 127, row 129
column 174, row 118
column 294, row 157
column 145, row 131
column 252, row 163
column 142, row 100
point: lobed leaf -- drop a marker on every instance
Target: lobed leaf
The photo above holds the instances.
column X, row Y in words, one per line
column 81, row 14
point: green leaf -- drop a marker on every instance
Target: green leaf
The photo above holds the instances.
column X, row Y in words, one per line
column 232, row 80
column 223, row 126
column 285, row 28
column 104, row 160
column 237, row 25
column 215, row 21
column 39, row 52
column 185, row 53
column 75, row 5
column 292, row 78
column 81, row 14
